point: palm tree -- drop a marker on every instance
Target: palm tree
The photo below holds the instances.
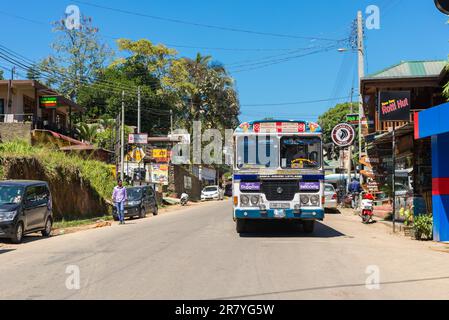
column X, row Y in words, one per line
column 87, row 132
column 211, row 94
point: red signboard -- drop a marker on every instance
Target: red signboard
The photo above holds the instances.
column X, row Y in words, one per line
column 280, row 127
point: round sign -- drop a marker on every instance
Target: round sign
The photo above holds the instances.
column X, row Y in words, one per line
column 442, row 5
column 343, row 135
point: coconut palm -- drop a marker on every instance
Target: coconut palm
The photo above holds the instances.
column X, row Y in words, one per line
column 87, row 132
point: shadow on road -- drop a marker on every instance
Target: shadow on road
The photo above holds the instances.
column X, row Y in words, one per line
column 332, row 287
column 26, row 239
column 332, row 211
column 285, row 229
column 6, row 250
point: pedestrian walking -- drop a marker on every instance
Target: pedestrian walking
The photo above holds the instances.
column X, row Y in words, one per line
column 119, row 197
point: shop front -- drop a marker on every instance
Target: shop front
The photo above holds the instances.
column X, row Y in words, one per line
column 434, row 124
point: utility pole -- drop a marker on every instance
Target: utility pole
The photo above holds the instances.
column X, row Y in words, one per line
column 122, row 143
column 138, row 111
column 350, row 151
column 171, row 121
column 361, row 67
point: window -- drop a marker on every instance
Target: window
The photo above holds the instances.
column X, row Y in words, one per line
column 2, row 106
column 257, row 152
column 301, row 152
column 31, row 196
column 10, row 194
column 29, row 105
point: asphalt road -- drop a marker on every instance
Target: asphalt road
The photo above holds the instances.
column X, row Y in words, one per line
column 195, row 253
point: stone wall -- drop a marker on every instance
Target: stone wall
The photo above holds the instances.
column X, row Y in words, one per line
column 15, row 131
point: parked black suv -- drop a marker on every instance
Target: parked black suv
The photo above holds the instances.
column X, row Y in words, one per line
column 141, row 200
column 25, row 207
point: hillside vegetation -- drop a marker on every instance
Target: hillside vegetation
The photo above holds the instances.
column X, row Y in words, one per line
column 80, row 188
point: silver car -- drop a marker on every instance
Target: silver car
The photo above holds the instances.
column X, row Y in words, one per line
column 330, row 196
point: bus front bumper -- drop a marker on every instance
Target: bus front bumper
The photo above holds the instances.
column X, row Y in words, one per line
column 288, row 214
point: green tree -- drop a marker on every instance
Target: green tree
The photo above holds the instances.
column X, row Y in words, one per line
column 1, row 75
column 205, row 91
column 78, row 56
column 144, row 65
column 333, row 117
column 87, row 132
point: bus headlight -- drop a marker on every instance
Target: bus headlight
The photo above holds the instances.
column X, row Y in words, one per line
column 244, row 200
column 255, row 200
column 305, row 200
column 315, row 199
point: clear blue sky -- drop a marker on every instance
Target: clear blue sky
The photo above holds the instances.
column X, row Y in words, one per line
column 410, row 30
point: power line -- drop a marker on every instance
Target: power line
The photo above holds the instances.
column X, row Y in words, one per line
column 256, row 66
column 292, row 103
column 178, row 21
column 198, row 47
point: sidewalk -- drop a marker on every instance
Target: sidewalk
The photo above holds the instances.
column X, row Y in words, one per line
column 400, row 227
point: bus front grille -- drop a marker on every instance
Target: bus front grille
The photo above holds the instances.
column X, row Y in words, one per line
column 280, row 190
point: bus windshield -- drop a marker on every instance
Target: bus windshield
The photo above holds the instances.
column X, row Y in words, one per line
column 257, row 152
column 300, row 152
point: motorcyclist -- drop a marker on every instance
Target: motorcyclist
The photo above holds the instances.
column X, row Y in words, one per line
column 355, row 189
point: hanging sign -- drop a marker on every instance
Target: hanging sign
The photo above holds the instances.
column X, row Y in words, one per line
column 48, row 102
column 343, row 135
column 394, row 106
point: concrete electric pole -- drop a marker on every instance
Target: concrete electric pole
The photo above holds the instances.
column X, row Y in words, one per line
column 122, row 140
column 138, row 111
column 361, row 63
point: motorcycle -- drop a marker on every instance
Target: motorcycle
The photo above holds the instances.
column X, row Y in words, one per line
column 367, row 208
column 184, row 199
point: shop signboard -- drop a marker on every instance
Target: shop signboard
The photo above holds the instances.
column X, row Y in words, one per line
column 159, row 173
column 140, row 138
column 394, row 105
column 343, row 135
column 48, row 102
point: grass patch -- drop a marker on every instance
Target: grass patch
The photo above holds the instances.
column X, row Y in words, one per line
column 79, row 223
column 97, row 173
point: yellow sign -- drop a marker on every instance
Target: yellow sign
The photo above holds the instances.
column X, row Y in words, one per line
column 160, row 153
column 138, row 154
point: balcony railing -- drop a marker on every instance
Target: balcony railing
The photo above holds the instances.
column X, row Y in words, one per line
column 17, row 118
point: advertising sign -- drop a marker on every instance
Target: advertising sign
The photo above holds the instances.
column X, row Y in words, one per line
column 160, row 153
column 48, row 102
column 343, row 135
column 140, row 138
column 309, row 186
column 394, row 106
column 280, row 127
column 159, row 173
column 250, row 186
column 353, row 119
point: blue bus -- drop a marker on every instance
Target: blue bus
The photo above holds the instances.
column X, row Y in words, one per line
column 278, row 173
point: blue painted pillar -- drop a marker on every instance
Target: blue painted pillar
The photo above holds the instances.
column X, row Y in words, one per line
column 440, row 186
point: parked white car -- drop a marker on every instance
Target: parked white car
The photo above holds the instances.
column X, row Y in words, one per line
column 212, row 193
column 330, row 197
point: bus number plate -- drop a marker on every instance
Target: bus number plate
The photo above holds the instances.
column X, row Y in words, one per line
column 279, row 213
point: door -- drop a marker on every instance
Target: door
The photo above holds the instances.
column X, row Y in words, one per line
column 42, row 204
column 151, row 199
column 31, row 209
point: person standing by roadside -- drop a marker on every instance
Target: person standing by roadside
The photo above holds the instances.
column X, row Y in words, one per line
column 119, row 197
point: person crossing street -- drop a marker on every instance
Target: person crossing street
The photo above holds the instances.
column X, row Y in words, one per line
column 119, row 197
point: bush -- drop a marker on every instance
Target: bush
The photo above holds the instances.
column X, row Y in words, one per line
column 423, row 226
